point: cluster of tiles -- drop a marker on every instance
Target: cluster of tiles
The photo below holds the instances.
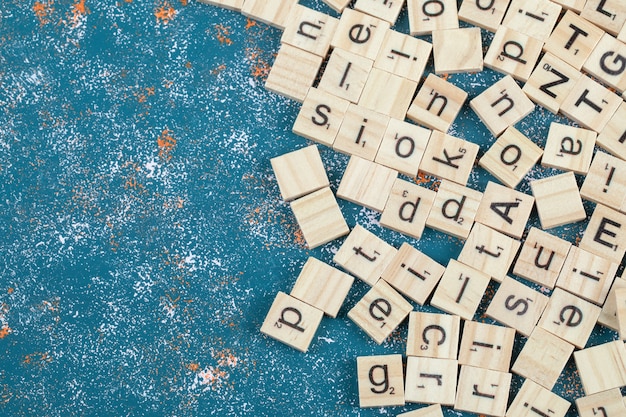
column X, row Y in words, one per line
column 357, row 80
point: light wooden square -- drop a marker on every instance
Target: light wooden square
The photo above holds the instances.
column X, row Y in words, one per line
column 320, row 116
column 558, row 200
column 502, row 105
column 606, row 234
column 534, row 18
column 437, row 103
column 272, row 13
column 380, row 380
column 227, row 4
column 380, row 311
column 433, row 335
column 322, row 286
column 319, row 217
column 366, row 183
column 428, row 15
column 430, row 411
column 505, row 209
column 607, row 62
column 337, row 5
column 543, row 358
column 569, row 148
column 383, row 9
column 610, row 15
column 292, row 322
column 413, row 273
column 613, row 136
column 593, row 364
column 483, row 391
column 345, row 74
column 608, row 315
column 365, row 255
column 430, row 380
column 454, row 209
column 460, row 290
column 609, row 402
column 620, row 304
column 622, row 34
column 299, row 172
column 513, row 53
column 387, row 93
column 403, row 146
column 487, row 346
column 360, row 33
column 457, row 50
column 407, row 208
column 293, row 72
column 403, row 55
column 485, row 15
column 361, row 132
column 534, row 400
column 309, row 30
column 448, row 157
column 576, row 5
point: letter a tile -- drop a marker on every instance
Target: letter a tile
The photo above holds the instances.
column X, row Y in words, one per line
column 505, row 209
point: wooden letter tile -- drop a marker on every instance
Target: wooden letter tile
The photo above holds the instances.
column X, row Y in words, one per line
column 541, row 258
column 534, row 400
column 613, row 136
column 403, row 146
column 505, row 209
column 607, row 62
column 610, row 15
column 428, row 15
column 299, row 172
column 380, row 380
column 514, row 53
column 227, row 4
column 407, row 208
column 360, row 33
column 483, row 391
column 593, row 364
column 576, row 5
column 486, row 346
column 403, row 55
column 454, row 209
column 293, row 72
column 430, row 380
column 558, row 200
column 606, row 182
column 387, row 93
column 606, row 234
column 485, row 15
column 433, row 335
column 610, row 402
column 620, row 306
column 345, row 74
column 272, row 13
column 383, row 9
column 448, row 157
column 361, row 132
column 430, row 411
column 569, row 148
column 534, row 18
column 320, row 116
column 337, row 5
column 366, row 183
column 457, row 50
column 309, row 30
column 608, row 315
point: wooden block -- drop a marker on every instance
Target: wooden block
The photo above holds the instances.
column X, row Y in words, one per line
column 620, row 304
column 608, row 315
column 403, row 55
column 293, row 72
column 622, row 34
column 534, row 400
column 436, row 104
column 486, row 346
column 382, row 9
column 541, row 258
column 607, row 62
column 403, row 146
column 360, row 33
column 594, row 362
column 502, row 105
column 322, row 286
column 607, row 403
column 534, row 18
column 366, row 183
column 605, row 235
column 433, row 335
column 292, row 322
column 272, row 13
column 511, row 157
column 543, row 358
column 299, row 172
column 413, row 273
column 337, row 5
column 309, row 30
column 426, row 16
column 407, row 208
column 430, row 380
column 485, row 15
column 558, row 200
column 569, row 148
column 610, row 15
column 590, row 104
column 387, row 93
column 345, row 74
column 380, row 311
column 430, row 411
column 613, row 136
column 454, row 209
column 380, row 380
column 513, row 53
column 505, row 209
column 365, row 255
column 457, row 50
column 449, row 158
column 551, row 82
column 569, row 317
column 483, row 391
column 320, row 116
column 227, row 4
column 319, row 217
column 460, row 290
column 517, row 306
column 361, row 132
column 575, row 5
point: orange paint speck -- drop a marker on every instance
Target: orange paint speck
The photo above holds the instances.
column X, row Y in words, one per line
column 222, row 34
column 193, row 367
column 184, row 2
column 43, row 10
column 165, row 13
column 5, row 331
column 79, row 10
column 11, row 290
column 166, row 143
column 250, row 23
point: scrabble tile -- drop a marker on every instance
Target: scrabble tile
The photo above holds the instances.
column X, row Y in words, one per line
column 413, row 273
column 437, row 104
column 569, row 148
column 608, row 403
column 345, row 74
column 407, row 208
column 380, row 311
column 505, row 209
column 272, row 13
column 487, row 15
column 502, row 105
column 433, row 335
column 513, row 53
column 620, row 300
column 448, row 157
column 293, row 72
column 489, row 251
column 541, row 258
column 551, row 82
column 299, row 172
column 309, row 30
column 608, row 315
column 622, row 34
column 610, row 15
column 454, row 209
column 543, row 358
column 403, row 55
column 558, row 200
column 517, row 306
column 319, row 217
column 403, row 146
column 569, row 317
column 483, row 391
column 292, row 322
column 383, row 9
column 594, row 362
column 607, row 62
column 613, row 136
column 360, row 33
column 366, row 183
column 337, row 5
column 457, row 50
column 486, row 346
column 534, row 18
column 387, row 93
column 365, row 255
column 380, row 380
column 320, row 116
column 227, row 4
column 460, row 290
column 430, row 380
column 361, row 132
column 590, row 104
column 428, row 15
column 605, row 235
column 575, row 5
column 534, row 400
column 322, row 286
column 430, row 411
column 511, row 157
